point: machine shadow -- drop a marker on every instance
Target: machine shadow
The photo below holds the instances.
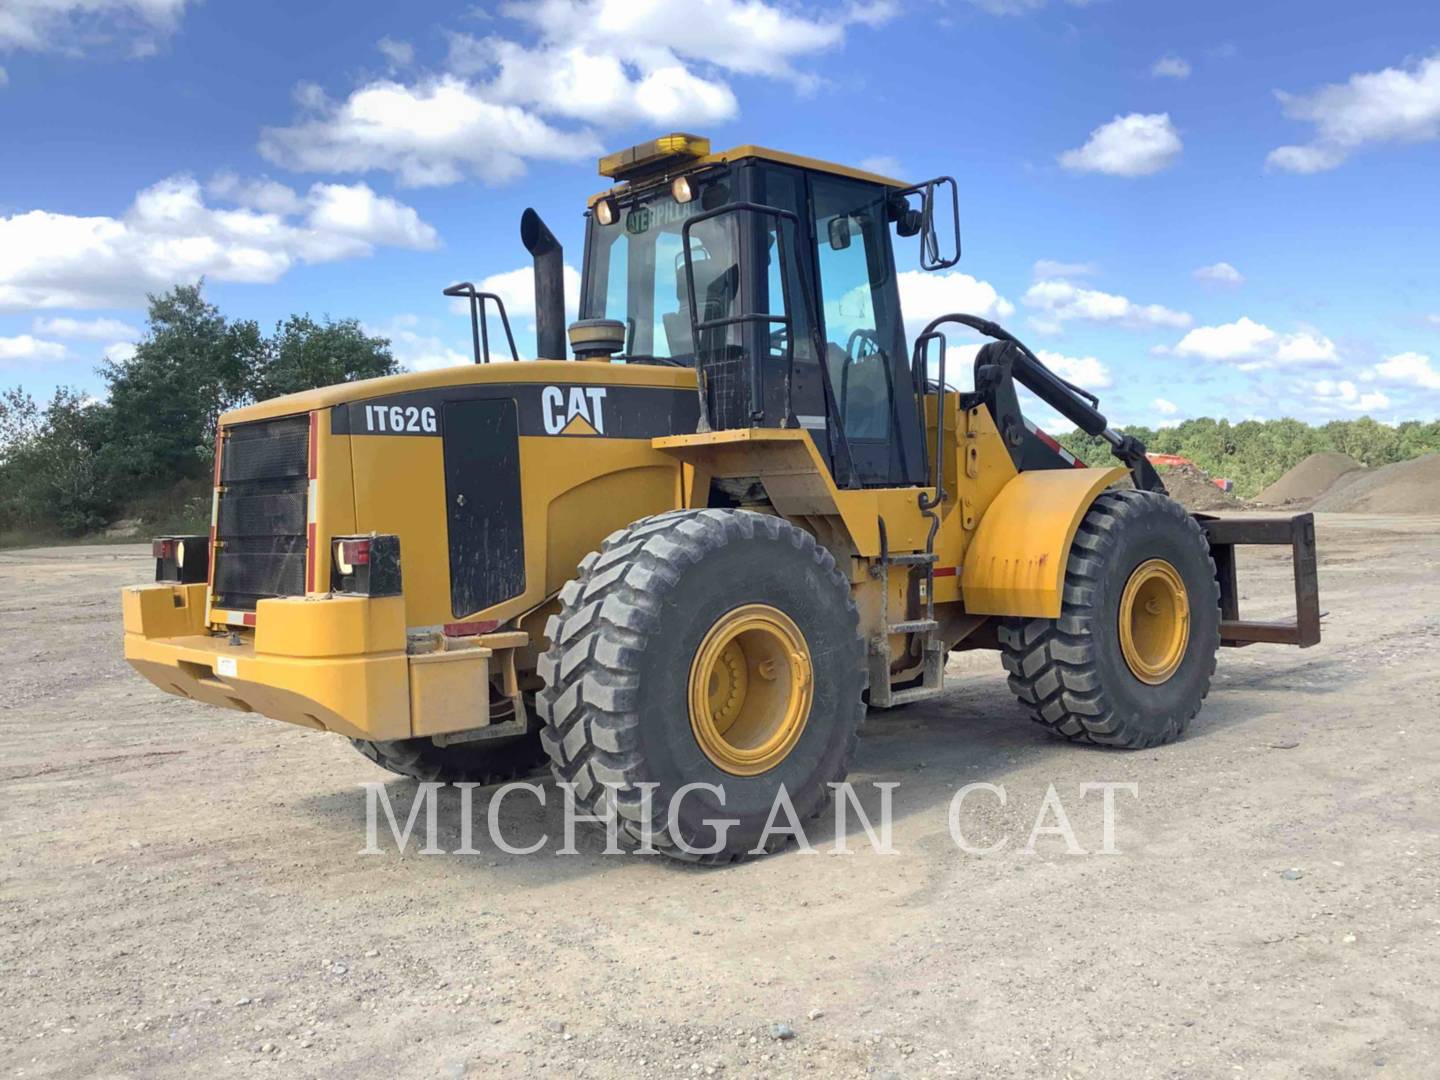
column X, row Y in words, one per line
column 974, row 732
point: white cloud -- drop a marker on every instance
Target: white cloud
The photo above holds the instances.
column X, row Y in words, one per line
column 1084, row 371
column 1409, row 369
column 169, row 235
column 1251, row 346
column 1164, row 407
column 1221, row 273
column 925, row 296
column 1392, row 105
column 1344, row 394
column 119, row 352
column 1060, row 302
column 26, row 347
column 1171, row 67
column 1134, row 145
column 1051, row 268
column 263, row 194
column 71, row 26
column 96, row 329
column 592, row 64
column 399, row 53
column 431, row 133
column 884, row 165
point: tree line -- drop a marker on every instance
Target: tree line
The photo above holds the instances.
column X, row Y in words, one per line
column 1256, row 453
column 75, row 464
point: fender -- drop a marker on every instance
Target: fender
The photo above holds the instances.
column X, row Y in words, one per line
column 1016, row 563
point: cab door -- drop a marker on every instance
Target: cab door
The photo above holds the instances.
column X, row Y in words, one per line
column 863, row 332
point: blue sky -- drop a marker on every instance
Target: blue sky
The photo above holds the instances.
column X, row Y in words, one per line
column 1226, row 209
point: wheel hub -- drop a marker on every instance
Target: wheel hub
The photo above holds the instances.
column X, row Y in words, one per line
column 750, row 690
column 1154, row 621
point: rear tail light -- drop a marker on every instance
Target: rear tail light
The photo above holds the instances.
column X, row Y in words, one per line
column 366, row 565
column 181, row 560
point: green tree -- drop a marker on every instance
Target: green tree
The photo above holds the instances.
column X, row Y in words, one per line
column 303, row 354
column 191, row 366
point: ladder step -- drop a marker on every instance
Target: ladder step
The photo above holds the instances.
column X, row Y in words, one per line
column 922, row 558
column 917, row 693
column 917, row 626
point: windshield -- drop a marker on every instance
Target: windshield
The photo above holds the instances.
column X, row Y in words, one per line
column 635, row 270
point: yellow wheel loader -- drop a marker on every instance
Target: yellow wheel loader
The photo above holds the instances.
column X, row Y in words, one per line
column 694, row 554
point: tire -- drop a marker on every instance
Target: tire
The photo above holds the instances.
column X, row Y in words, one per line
column 1074, row 674
column 484, row 762
column 618, row 677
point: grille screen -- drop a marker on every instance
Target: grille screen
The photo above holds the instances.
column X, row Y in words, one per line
column 265, row 479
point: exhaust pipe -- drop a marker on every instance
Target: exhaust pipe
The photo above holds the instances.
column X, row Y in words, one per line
column 549, row 286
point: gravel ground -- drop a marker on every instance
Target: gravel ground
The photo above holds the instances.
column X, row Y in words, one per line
column 181, row 889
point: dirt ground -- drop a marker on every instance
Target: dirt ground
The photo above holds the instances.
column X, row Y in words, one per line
column 182, row 894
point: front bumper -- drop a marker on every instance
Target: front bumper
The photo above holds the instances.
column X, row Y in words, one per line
column 337, row 664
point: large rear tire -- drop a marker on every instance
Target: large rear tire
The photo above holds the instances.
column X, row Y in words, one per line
column 1129, row 661
column 714, row 647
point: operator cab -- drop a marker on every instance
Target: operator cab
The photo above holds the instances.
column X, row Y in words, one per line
column 774, row 276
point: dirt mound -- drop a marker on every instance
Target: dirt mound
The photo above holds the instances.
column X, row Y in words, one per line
column 1406, row 487
column 1309, row 480
column 1193, row 489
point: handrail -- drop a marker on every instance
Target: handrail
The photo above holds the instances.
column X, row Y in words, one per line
column 479, row 326
column 757, row 378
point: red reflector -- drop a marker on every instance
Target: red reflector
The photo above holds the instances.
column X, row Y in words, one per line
column 945, row 571
column 248, row 618
column 469, row 629
column 162, row 549
column 355, row 552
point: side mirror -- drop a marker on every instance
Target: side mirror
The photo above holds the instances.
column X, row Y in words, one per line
column 930, row 221
column 839, row 233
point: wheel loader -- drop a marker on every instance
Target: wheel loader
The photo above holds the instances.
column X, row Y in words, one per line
column 692, row 553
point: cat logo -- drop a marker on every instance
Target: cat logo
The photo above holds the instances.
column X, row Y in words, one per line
column 576, row 410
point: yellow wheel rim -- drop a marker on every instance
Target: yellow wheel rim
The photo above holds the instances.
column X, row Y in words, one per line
column 1154, row 621
column 751, row 686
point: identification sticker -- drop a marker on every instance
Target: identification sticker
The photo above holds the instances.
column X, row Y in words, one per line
column 225, row 665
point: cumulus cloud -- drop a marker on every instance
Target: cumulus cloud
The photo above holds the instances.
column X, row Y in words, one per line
column 1083, row 371
column 171, row 234
column 1408, row 369
column 1393, row 105
column 71, row 27
column 1220, row 273
column 1052, row 268
column 1171, row 67
column 25, row 347
column 1344, row 394
column 1139, row 144
column 1250, row 346
column 1164, row 407
column 119, row 352
column 1058, row 302
column 586, row 65
column 925, row 296
column 96, row 329
column 399, row 53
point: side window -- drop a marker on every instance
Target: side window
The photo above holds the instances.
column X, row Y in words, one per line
column 854, row 274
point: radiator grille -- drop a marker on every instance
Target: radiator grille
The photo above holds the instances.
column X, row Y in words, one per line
column 265, row 480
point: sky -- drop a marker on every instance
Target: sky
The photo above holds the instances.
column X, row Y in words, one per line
column 1221, row 209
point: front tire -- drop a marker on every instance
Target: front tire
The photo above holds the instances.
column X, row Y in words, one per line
column 715, row 647
column 1129, row 661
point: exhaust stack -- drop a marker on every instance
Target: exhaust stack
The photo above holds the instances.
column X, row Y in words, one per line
column 549, row 286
